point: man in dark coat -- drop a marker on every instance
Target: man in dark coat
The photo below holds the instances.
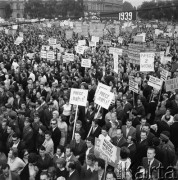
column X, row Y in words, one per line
column 73, row 173
column 56, row 133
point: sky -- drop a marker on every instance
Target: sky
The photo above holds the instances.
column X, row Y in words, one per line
column 136, row 2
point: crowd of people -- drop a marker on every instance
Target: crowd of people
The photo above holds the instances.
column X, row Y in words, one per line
column 37, row 119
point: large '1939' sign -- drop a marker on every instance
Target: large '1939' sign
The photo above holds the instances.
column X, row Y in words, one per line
column 127, row 16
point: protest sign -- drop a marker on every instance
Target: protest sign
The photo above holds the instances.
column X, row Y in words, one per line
column 165, row 59
column 81, row 42
column 68, row 57
column 45, row 48
column 116, row 69
column 147, row 61
column 100, row 154
column 80, row 49
column 30, row 55
column 50, row 55
column 138, row 38
column 133, row 86
column 78, row 97
column 92, row 44
column 102, row 86
column 86, row 63
column 52, row 41
column 15, row 27
column 95, row 39
column 108, row 149
column 171, row 84
column 104, row 98
column 115, row 50
column 164, row 74
column 155, row 82
column 106, row 42
column 43, row 54
column 18, row 40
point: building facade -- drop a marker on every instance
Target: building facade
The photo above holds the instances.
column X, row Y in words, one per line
column 102, row 5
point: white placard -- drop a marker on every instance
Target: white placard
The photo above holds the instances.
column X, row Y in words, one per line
column 115, row 57
column 43, row 54
column 95, row 39
column 69, row 57
column 133, row 86
column 164, row 74
column 59, row 56
column 18, row 40
column 15, row 27
column 165, row 59
column 171, row 84
column 45, row 48
column 108, row 149
column 92, row 44
column 104, row 98
column 81, row 42
column 155, row 82
column 115, row 50
column 78, row 97
column 80, row 49
column 86, row 63
column 147, row 61
column 50, row 55
column 52, row 41
column 102, row 86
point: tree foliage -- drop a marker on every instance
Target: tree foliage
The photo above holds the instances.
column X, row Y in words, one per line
column 8, row 11
column 127, row 6
column 159, row 10
column 52, row 9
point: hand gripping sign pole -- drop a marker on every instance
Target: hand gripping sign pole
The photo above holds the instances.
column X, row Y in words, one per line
column 75, row 120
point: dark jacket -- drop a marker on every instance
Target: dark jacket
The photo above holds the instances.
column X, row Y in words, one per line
column 74, row 176
column 56, row 136
column 79, row 149
column 25, row 174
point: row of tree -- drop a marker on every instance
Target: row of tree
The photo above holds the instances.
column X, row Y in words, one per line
column 75, row 8
column 52, row 9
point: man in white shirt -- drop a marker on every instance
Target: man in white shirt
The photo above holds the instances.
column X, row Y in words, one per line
column 104, row 134
column 90, row 146
column 48, row 144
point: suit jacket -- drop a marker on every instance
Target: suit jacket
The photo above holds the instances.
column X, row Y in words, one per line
column 56, row 137
column 79, row 149
column 132, row 131
column 16, row 104
column 119, row 143
column 74, row 159
column 174, row 133
column 96, row 133
column 13, row 175
column 132, row 149
column 154, row 164
column 141, row 151
column 20, row 147
column 86, row 173
column 74, row 176
column 47, row 116
column 25, row 174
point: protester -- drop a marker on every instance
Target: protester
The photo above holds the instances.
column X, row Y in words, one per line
column 45, row 135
